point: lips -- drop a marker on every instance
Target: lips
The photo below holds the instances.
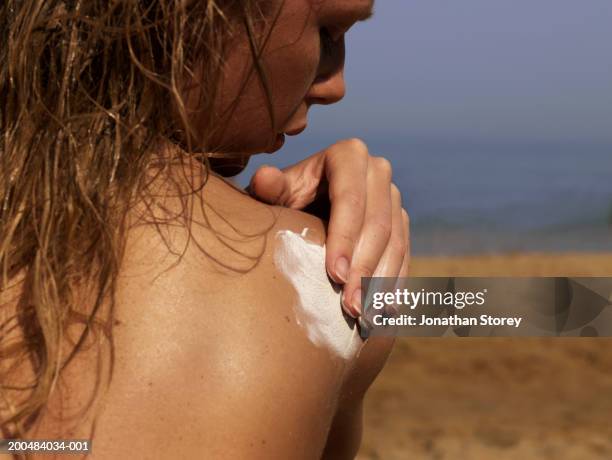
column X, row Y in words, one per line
column 280, row 138
column 278, row 144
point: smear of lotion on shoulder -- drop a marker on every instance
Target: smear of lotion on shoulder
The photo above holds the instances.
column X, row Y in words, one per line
column 318, row 309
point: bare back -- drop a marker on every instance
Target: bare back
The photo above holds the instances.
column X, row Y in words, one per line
column 235, row 348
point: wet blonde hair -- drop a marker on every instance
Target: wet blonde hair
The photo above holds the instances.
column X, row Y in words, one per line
column 84, row 87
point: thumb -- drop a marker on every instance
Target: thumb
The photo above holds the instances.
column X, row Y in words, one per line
column 269, row 185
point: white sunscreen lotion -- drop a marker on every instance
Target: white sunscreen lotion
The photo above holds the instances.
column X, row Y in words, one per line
column 318, row 309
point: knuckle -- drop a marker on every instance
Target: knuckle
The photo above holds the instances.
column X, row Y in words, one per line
column 357, row 147
column 364, row 270
column 353, row 198
column 344, row 236
column 383, row 165
column 381, row 228
column 358, row 144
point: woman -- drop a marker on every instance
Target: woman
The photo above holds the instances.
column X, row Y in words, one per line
column 146, row 303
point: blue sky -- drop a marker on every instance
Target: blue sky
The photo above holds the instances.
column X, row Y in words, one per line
column 496, row 116
column 478, row 69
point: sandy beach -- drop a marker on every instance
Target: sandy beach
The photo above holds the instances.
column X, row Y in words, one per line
column 500, row 398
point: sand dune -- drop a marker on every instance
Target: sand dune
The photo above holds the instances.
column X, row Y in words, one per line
column 495, row 398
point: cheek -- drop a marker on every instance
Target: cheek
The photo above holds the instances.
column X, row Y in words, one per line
column 242, row 118
column 291, row 71
column 241, row 121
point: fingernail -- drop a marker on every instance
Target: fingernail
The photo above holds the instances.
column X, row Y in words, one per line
column 356, row 301
column 348, row 308
column 342, row 268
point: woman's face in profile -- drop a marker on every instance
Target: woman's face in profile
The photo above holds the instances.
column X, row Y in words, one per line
column 303, row 62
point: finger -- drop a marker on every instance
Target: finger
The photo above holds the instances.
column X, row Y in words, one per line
column 405, row 269
column 391, row 260
column 346, row 168
column 375, row 233
column 405, row 266
column 269, row 185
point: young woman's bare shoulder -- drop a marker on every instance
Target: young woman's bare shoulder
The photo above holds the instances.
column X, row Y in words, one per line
column 236, row 341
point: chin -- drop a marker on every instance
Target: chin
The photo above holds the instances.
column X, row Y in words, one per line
column 250, row 146
column 228, row 167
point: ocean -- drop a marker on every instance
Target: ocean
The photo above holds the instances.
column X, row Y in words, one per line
column 474, row 197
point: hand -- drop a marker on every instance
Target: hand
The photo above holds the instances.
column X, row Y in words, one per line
column 368, row 232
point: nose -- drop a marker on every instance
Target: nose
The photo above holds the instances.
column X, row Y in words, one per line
column 328, row 89
column 329, row 86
